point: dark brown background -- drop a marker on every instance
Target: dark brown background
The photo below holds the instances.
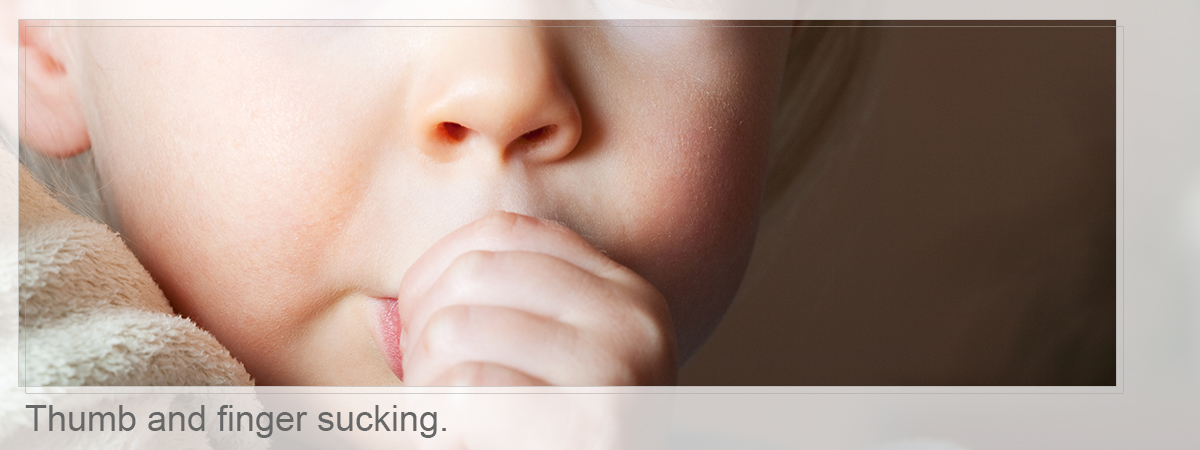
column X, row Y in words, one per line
column 969, row 236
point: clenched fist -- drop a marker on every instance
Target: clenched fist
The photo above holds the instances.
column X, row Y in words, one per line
column 515, row 300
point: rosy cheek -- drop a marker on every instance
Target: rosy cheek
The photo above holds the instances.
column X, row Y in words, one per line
column 692, row 204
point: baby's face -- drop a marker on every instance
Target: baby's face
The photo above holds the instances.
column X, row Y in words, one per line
column 278, row 182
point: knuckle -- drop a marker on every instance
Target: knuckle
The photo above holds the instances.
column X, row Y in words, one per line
column 465, row 374
column 496, row 225
column 626, row 365
column 620, row 373
column 637, row 354
column 640, row 315
column 650, row 348
column 470, row 266
column 447, row 329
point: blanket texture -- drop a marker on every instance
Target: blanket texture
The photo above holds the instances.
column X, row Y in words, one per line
column 91, row 315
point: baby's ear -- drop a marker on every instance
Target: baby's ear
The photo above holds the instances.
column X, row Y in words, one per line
column 52, row 118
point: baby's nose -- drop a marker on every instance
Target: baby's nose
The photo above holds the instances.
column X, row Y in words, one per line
column 493, row 92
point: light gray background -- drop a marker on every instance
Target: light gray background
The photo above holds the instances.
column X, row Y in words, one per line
column 1160, row 258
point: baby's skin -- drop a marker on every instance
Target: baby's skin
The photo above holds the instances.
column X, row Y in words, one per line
column 485, row 203
column 480, row 298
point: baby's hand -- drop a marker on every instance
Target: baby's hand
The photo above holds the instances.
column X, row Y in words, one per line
column 514, row 300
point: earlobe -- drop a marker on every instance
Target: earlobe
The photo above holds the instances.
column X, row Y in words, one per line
column 51, row 120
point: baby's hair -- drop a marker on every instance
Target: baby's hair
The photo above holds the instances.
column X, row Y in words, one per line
column 73, row 181
column 826, row 80
column 827, row 91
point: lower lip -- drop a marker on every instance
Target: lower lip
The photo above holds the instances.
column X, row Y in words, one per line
column 388, row 329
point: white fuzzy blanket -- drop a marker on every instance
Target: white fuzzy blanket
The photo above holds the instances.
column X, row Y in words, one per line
column 90, row 315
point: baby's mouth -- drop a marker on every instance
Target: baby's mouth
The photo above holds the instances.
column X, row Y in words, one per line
column 387, row 334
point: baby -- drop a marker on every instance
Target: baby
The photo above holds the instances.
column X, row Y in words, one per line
column 429, row 203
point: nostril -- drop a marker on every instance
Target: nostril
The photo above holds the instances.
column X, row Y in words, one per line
column 539, row 134
column 452, row 131
column 533, row 139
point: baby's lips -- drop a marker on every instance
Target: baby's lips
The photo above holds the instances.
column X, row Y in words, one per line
column 390, row 336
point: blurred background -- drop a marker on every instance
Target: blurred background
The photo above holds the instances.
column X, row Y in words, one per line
column 960, row 228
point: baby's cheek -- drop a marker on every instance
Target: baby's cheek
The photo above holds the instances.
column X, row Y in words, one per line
column 282, row 237
column 691, row 221
column 246, row 257
column 690, row 241
column 691, row 210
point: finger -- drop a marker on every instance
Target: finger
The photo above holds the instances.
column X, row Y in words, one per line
column 499, row 232
column 537, row 346
column 533, row 282
column 484, row 374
